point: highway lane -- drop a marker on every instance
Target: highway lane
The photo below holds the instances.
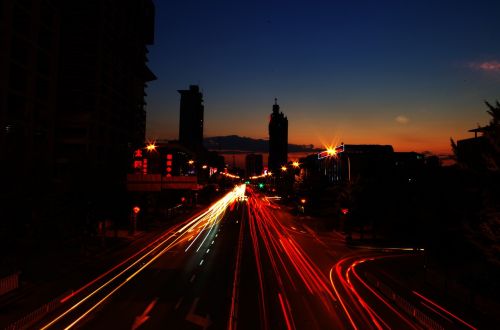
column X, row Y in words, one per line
column 292, row 292
column 246, row 264
column 357, row 305
column 182, row 289
column 193, row 236
column 368, row 297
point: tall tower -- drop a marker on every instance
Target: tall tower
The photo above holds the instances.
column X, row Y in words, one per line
column 278, row 139
column 191, row 118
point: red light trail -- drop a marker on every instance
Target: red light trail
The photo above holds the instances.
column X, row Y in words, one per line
column 291, row 266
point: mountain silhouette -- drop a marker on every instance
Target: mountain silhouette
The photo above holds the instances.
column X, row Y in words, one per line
column 246, row 144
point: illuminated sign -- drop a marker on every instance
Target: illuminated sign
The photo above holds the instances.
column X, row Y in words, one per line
column 138, row 153
column 331, row 152
column 168, row 164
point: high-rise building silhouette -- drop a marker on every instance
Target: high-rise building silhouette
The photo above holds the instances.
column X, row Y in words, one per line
column 103, row 73
column 72, row 105
column 191, row 118
column 28, row 96
column 278, row 139
column 254, row 164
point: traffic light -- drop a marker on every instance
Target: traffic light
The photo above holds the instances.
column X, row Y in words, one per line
column 261, row 185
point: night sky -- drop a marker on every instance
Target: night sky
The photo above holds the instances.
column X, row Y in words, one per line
column 376, row 72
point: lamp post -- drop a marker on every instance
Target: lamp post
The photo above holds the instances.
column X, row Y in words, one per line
column 303, row 202
column 133, row 218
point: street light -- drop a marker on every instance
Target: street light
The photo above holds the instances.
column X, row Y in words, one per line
column 302, row 207
column 331, row 151
column 133, row 218
column 283, row 168
column 190, row 162
column 295, row 164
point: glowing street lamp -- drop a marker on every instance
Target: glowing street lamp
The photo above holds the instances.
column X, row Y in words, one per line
column 133, row 219
column 331, row 151
column 190, row 162
column 151, row 147
column 295, row 164
column 283, row 168
column 302, row 207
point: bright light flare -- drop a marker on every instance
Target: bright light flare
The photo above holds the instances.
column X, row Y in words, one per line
column 151, row 146
column 331, row 151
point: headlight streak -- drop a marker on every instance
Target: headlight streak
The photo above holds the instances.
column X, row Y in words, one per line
column 212, row 217
column 214, row 214
column 169, row 232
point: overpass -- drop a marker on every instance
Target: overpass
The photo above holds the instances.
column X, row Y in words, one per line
column 158, row 182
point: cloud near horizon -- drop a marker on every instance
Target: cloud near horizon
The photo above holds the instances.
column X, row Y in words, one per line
column 487, row 66
column 402, row 120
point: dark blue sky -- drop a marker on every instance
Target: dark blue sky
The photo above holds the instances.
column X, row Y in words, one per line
column 389, row 72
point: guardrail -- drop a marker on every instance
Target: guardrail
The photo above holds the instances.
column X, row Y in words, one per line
column 403, row 304
column 30, row 319
column 9, row 283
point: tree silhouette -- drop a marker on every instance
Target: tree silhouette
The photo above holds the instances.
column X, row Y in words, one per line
column 492, row 135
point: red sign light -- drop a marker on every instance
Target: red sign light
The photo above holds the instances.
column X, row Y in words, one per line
column 138, row 153
column 344, row 211
column 136, row 209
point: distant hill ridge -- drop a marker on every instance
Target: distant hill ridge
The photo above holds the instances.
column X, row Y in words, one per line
column 243, row 143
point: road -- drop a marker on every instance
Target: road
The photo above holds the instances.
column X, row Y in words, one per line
column 245, row 263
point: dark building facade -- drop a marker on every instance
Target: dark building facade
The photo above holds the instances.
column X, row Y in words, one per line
column 254, row 165
column 191, row 118
column 72, row 108
column 355, row 162
column 278, row 139
column 473, row 153
column 28, row 93
column 103, row 74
